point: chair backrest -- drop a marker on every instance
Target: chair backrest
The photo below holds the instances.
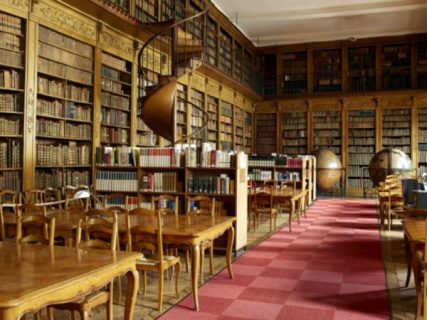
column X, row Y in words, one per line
column 28, row 209
column 34, row 196
column 98, row 230
column 263, row 200
column 35, row 229
column 146, row 234
column 78, row 199
column 114, row 199
column 270, row 183
column 52, row 195
column 289, row 183
column 168, row 204
column 8, row 196
column 201, row 205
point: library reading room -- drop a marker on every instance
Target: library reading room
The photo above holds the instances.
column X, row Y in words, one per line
column 213, row 159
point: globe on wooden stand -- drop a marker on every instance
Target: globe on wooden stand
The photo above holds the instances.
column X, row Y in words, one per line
column 328, row 169
column 387, row 162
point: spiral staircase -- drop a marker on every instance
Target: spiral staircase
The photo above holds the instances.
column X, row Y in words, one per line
column 175, row 49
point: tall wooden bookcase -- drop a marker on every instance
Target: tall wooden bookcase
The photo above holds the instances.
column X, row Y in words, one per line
column 12, row 99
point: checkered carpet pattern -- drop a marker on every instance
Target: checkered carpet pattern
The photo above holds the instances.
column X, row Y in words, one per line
column 329, row 268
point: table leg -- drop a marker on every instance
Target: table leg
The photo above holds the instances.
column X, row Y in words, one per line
column 195, row 262
column 132, row 289
column 230, row 241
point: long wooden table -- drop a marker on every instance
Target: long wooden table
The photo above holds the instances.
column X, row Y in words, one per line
column 189, row 230
column 34, row 276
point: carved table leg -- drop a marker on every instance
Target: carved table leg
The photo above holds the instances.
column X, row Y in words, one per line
column 132, row 289
column 195, row 262
column 230, row 241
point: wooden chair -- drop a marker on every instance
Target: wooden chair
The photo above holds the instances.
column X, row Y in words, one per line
column 30, row 209
column 11, row 197
column 166, row 202
column 146, row 237
column 52, row 195
column 79, row 200
column 35, row 229
column 98, row 230
column 205, row 206
column 270, row 184
column 34, row 196
column 264, row 205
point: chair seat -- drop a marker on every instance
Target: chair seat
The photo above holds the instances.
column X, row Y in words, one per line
column 90, row 301
column 151, row 261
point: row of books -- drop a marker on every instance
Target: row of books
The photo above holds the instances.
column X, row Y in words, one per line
column 361, row 133
column 10, row 180
column 397, row 132
column 360, row 183
column 361, row 141
column 215, row 158
column 361, row 149
column 274, row 160
column 359, row 158
column 60, row 89
column 58, row 178
column 63, row 41
column 10, row 154
column 56, row 129
column 65, row 57
column 11, row 58
column 398, row 140
column 327, row 125
column 114, row 62
column 10, row 79
column 116, row 75
column 294, row 150
column 59, row 109
column 114, row 117
column 114, row 101
column 358, row 171
column 64, row 71
column 327, row 140
column 160, row 157
column 160, row 182
column 203, row 183
column 10, row 126
column 146, row 139
column 10, row 23
column 114, row 135
column 294, row 134
column 131, row 202
column 422, row 136
column 113, row 86
column 117, row 156
column 62, row 155
column 10, row 102
column 117, row 181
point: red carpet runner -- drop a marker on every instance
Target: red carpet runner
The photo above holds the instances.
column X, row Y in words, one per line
column 329, row 268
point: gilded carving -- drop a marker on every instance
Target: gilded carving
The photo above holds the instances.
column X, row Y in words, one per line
column 325, row 105
column 227, row 95
column 197, row 82
column 421, row 102
column 359, row 104
column 23, row 4
column 395, row 102
column 66, row 21
column 30, row 111
column 212, row 88
column 295, row 106
column 116, row 42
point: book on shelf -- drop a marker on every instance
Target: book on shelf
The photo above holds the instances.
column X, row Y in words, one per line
column 159, row 182
column 210, row 184
column 160, row 157
column 121, row 156
column 117, row 181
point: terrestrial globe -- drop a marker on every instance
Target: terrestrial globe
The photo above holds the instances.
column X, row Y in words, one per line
column 328, row 169
column 387, row 162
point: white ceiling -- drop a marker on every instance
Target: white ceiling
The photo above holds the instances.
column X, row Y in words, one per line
column 274, row 22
